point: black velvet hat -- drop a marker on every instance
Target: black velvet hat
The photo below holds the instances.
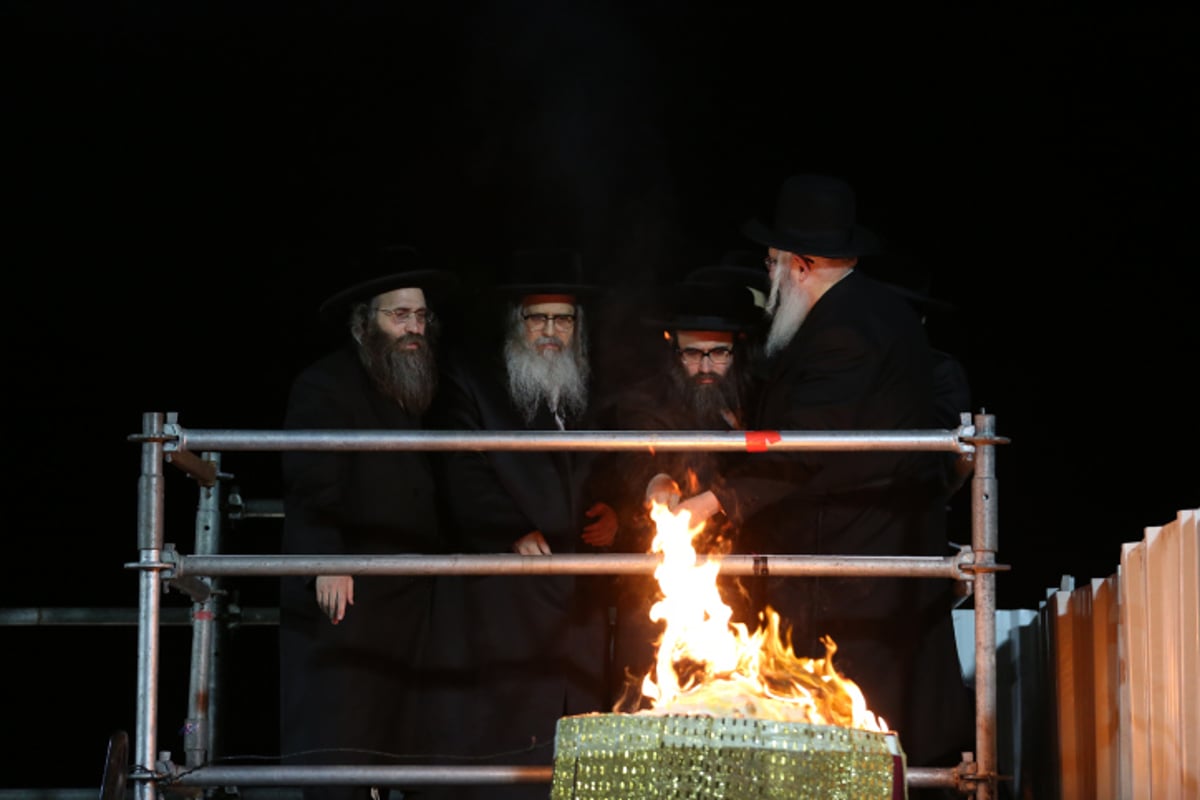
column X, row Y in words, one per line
column 815, row 216
column 545, row 271
column 698, row 306
column 391, row 267
column 755, row 281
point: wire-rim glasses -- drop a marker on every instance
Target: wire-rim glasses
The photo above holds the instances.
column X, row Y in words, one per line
column 401, row 316
column 561, row 322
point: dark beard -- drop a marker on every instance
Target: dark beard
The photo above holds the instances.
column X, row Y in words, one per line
column 407, row 376
column 707, row 401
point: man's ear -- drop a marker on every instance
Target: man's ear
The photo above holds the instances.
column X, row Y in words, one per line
column 798, row 266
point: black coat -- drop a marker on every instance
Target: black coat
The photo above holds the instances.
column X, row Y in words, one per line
column 652, row 404
column 860, row 361
column 353, row 685
column 535, row 643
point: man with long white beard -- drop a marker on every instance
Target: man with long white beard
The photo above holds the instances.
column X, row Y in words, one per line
column 349, row 644
column 846, row 352
column 535, row 644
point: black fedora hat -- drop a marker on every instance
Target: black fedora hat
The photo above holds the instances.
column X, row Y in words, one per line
column 390, row 267
column 700, row 306
column 545, row 271
column 815, row 215
column 756, row 281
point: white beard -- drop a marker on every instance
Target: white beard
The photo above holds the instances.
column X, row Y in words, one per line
column 787, row 307
column 556, row 377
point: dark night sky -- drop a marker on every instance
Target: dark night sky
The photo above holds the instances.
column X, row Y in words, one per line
column 187, row 181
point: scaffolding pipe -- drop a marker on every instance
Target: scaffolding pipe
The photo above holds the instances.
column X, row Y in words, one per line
column 915, row 777
column 151, row 499
column 204, row 687
column 177, row 438
column 162, row 442
column 984, row 540
column 125, row 617
column 954, row 567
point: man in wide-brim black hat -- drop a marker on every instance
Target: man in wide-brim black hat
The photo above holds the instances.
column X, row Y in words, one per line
column 537, row 642
column 848, row 353
column 349, row 645
column 699, row 341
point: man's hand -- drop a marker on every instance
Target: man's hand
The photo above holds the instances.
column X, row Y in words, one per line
column 334, row 593
column 662, row 489
column 532, row 544
column 603, row 530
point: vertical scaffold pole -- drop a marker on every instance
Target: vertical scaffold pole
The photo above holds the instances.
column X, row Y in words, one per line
column 150, row 543
column 984, row 539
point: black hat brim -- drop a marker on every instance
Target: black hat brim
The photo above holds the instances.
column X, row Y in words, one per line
column 436, row 283
column 703, row 323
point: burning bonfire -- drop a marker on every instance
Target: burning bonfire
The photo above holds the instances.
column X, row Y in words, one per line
column 732, row 714
column 707, row 664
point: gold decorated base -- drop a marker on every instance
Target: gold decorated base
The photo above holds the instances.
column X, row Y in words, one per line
column 633, row 756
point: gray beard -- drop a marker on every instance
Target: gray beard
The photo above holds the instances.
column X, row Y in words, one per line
column 557, row 378
column 407, row 376
column 787, row 307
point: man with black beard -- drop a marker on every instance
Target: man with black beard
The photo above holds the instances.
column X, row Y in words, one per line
column 349, row 645
column 536, row 645
column 707, row 342
column 846, row 352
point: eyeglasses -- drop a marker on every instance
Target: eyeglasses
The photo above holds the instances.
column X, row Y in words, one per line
column 561, row 322
column 719, row 356
column 401, row 316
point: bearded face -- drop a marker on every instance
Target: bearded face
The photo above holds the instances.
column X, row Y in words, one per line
column 546, row 368
column 787, row 306
column 709, row 396
column 403, row 366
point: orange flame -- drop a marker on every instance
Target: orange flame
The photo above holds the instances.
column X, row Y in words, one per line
column 707, row 664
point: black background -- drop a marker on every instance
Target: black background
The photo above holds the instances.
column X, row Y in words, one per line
column 188, row 180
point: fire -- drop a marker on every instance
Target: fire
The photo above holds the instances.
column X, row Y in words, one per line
column 707, row 664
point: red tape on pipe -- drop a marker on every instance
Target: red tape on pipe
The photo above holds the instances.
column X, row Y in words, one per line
column 757, row 441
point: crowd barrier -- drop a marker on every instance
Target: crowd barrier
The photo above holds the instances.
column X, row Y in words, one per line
column 136, row 766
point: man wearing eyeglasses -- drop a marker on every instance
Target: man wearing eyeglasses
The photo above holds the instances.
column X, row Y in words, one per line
column 845, row 352
column 349, row 644
column 536, row 643
column 704, row 341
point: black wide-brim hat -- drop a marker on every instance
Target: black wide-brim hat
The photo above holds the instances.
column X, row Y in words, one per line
column 545, row 271
column 691, row 306
column 391, row 267
column 815, row 215
column 755, row 280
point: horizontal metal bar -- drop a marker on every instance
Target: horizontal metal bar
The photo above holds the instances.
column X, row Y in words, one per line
column 126, row 616
column 366, row 775
column 565, row 564
column 944, row 777
column 178, row 438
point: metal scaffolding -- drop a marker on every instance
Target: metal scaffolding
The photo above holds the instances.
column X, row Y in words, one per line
column 164, row 440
